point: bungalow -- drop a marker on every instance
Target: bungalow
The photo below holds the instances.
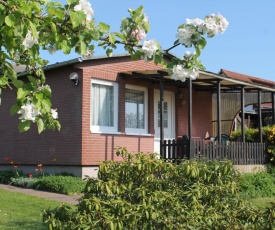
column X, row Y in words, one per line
column 105, row 102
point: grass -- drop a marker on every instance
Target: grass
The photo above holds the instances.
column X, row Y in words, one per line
column 263, row 202
column 22, row 211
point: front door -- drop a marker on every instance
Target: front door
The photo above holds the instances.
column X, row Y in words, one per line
column 168, row 117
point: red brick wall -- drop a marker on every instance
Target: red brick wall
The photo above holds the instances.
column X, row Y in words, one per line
column 75, row 144
column 100, row 147
column 50, row 147
column 202, row 114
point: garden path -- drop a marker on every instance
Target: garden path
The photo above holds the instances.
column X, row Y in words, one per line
column 48, row 195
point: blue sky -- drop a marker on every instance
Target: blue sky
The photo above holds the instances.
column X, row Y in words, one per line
column 247, row 46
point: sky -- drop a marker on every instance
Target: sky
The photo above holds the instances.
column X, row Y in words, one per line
column 246, row 47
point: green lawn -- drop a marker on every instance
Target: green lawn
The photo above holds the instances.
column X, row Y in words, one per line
column 263, row 202
column 21, row 211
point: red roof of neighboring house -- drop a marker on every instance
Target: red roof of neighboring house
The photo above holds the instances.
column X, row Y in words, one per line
column 246, row 78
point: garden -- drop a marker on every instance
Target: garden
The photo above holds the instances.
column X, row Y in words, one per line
column 143, row 192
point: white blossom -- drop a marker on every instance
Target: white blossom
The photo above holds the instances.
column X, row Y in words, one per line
column 51, row 48
column 181, row 73
column 54, row 113
column 139, row 34
column 194, row 28
column 46, row 87
column 88, row 54
column 86, row 7
column 149, row 49
column 28, row 112
column 29, row 41
column 185, row 35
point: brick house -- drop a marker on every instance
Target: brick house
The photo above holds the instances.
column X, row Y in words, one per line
column 116, row 103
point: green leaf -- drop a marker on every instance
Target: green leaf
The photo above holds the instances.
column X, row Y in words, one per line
column 32, row 79
column 77, row 18
column 102, row 27
column 58, row 12
column 108, row 189
column 40, row 125
column 121, row 36
column 65, row 46
column 39, row 96
column 25, row 8
column 70, row 2
column 24, row 126
column 21, row 93
column 14, row 109
column 46, row 104
column 3, row 80
column 10, row 20
column 33, row 30
column 112, row 38
column 53, row 27
column 109, row 52
column 83, row 47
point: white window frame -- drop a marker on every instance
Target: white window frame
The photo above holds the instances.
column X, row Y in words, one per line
column 105, row 129
column 136, row 131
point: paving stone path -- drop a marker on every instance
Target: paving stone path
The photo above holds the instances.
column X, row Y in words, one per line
column 48, row 195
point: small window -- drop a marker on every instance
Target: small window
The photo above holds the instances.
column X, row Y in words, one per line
column 165, row 114
column 104, row 104
column 136, row 112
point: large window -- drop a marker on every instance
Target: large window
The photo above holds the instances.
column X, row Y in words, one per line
column 136, row 110
column 104, row 104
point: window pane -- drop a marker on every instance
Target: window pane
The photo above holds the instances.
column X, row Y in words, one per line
column 165, row 114
column 134, row 109
column 102, row 105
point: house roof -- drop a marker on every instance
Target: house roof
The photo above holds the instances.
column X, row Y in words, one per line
column 207, row 81
column 246, row 78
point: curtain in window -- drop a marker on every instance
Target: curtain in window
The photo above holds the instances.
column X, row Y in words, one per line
column 102, row 105
column 134, row 109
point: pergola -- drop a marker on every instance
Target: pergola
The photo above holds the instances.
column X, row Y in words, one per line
column 207, row 81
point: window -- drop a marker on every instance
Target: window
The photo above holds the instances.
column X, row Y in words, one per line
column 165, row 114
column 104, row 104
column 136, row 110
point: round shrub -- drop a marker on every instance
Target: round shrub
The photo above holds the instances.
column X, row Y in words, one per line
column 60, row 184
column 142, row 192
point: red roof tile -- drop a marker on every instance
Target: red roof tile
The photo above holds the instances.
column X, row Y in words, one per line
column 246, row 78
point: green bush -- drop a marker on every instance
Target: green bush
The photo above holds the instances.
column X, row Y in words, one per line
column 7, row 175
column 270, row 169
column 25, row 182
column 255, row 185
column 142, row 192
column 252, row 135
column 60, row 184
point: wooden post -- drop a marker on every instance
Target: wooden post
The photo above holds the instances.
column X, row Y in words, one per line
column 190, row 134
column 219, row 109
column 161, row 102
column 242, row 110
column 273, row 107
column 260, row 115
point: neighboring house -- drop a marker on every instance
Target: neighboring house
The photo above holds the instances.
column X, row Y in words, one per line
column 116, row 103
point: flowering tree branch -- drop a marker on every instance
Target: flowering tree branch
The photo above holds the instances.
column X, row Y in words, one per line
column 27, row 26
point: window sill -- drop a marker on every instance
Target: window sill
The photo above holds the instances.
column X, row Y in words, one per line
column 139, row 134
column 98, row 132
